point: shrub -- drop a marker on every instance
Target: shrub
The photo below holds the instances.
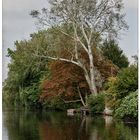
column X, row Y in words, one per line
column 119, row 87
column 96, row 103
column 128, row 107
column 127, row 81
column 111, row 92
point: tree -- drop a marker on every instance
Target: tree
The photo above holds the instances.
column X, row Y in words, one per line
column 127, row 81
column 88, row 21
column 112, row 52
column 68, row 83
column 135, row 57
column 25, row 71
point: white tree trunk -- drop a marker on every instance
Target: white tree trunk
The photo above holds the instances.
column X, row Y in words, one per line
column 92, row 75
column 92, row 84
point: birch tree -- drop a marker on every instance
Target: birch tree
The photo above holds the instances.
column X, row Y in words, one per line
column 89, row 20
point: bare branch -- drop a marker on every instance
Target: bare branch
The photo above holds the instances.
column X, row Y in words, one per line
column 72, row 101
column 75, row 46
column 84, row 34
column 61, row 59
column 78, row 38
column 75, row 39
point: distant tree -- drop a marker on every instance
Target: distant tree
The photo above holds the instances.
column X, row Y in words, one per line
column 111, row 51
column 135, row 57
column 88, row 21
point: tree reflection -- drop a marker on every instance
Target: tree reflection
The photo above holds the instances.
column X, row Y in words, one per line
column 61, row 127
column 27, row 125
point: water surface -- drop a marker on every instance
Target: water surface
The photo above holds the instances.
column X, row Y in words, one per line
column 35, row 125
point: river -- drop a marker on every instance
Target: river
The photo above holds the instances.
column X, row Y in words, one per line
column 36, row 125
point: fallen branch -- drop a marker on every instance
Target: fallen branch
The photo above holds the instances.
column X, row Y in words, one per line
column 73, row 101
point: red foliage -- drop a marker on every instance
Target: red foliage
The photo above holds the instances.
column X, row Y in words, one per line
column 67, row 76
column 65, row 79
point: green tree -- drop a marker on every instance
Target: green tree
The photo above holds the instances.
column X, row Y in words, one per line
column 111, row 51
column 25, row 70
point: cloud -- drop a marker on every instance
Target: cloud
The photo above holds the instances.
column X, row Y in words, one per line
column 21, row 5
column 133, row 4
column 17, row 24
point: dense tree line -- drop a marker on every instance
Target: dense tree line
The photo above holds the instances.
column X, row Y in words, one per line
column 28, row 72
column 33, row 80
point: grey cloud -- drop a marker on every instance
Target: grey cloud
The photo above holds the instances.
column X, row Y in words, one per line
column 131, row 4
column 9, row 5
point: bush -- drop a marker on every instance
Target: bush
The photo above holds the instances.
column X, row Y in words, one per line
column 128, row 109
column 119, row 87
column 127, row 81
column 96, row 103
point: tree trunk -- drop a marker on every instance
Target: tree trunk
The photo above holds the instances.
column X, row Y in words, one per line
column 92, row 75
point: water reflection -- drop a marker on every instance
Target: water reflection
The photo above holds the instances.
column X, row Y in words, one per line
column 28, row 125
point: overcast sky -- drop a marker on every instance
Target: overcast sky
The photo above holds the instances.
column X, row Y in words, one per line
column 18, row 25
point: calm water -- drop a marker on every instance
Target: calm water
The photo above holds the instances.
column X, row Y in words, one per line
column 29, row 125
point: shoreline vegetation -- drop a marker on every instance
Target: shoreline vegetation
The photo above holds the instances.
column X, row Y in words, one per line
column 75, row 62
column 42, row 87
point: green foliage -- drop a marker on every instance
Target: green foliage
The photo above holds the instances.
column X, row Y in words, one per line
column 29, row 96
column 25, row 70
column 121, row 95
column 127, row 81
column 119, row 87
column 128, row 107
column 111, row 93
column 112, row 52
column 110, row 85
column 96, row 103
column 55, row 103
